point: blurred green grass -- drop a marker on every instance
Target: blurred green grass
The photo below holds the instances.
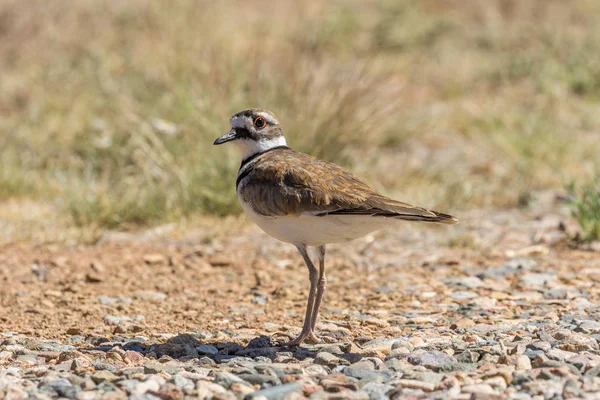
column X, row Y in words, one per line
column 109, row 109
column 584, row 202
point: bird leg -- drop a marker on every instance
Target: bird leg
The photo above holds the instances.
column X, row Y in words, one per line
column 307, row 328
column 321, row 285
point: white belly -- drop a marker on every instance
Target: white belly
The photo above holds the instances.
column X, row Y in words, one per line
column 311, row 230
column 315, row 231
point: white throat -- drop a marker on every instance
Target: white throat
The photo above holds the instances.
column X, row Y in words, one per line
column 250, row 147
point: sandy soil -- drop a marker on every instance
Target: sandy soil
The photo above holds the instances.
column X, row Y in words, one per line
column 383, row 285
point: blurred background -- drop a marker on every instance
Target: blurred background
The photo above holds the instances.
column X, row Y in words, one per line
column 108, row 109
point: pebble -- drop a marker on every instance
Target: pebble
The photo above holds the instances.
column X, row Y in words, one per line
column 104, row 375
column 275, row 393
column 415, row 384
column 539, row 279
column 226, row 379
column 523, row 363
column 150, row 295
column 480, row 388
column 471, row 336
column 183, row 382
column 207, row 349
column 431, row 359
column 328, row 359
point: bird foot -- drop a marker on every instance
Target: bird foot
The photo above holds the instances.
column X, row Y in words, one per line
column 309, row 334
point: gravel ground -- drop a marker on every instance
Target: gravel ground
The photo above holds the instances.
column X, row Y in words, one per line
column 500, row 307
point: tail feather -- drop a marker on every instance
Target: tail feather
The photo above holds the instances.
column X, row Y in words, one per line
column 416, row 214
column 437, row 217
column 381, row 206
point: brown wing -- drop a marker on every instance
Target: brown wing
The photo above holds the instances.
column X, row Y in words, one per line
column 286, row 182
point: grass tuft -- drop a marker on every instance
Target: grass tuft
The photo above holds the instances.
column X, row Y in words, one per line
column 584, row 202
column 109, row 109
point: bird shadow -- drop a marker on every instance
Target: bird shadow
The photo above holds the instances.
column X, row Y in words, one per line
column 186, row 347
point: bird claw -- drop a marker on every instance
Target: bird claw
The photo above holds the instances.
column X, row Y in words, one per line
column 310, row 335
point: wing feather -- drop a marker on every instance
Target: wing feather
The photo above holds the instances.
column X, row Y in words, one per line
column 286, row 182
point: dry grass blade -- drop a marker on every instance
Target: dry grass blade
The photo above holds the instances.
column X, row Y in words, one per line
column 109, row 109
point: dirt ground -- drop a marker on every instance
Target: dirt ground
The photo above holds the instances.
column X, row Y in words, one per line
column 495, row 266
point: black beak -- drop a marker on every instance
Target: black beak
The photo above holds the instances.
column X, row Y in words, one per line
column 228, row 137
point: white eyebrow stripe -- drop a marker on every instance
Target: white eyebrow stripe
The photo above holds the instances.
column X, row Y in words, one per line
column 237, row 122
column 268, row 118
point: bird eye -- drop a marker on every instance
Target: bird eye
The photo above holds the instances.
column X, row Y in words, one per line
column 260, row 122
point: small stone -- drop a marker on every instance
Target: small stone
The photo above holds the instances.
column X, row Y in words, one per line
column 594, row 372
column 417, row 341
column 560, row 355
column 464, row 295
column 522, row 363
column 464, row 323
column 363, row 364
column 240, row 389
column 384, row 342
column 480, row 388
column 13, row 392
column 149, row 385
column 134, row 357
column 61, row 367
column 577, row 338
column 414, row 384
column 177, row 347
column 114, row 320
column 155, row 368
column 539, row 279
column 62, row 387
column 431, row 359
column 314, row 370
column 540, row 345
column 129, row 385
column 328, row 359
column 81, row 364
column 283, row 356
column 207, row 390
column 207, row 349
column 485, row 303
column 470, row 282
column 468, row 356
column 497, row 382
column 73, row 331
column 107, row 300
column 198, row 374
column 150, row 295
column 92, row 277
column 519, row 349
column 338, row 383
column 169, row 391
column 280, row 392
column 360, row 373
column 97, row 340
column 183, row 383
column 103, row 375
column 263, row 380
column 590, row 326
column 399, row 352
column 377, row 391
column 219, row 260
column 580, row 362
column 155, row 259
column 97, row 266
column 225, row 379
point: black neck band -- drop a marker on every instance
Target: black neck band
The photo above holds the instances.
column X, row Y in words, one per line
column 252, row 157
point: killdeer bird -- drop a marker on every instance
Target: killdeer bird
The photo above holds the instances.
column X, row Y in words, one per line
column 305, row 201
